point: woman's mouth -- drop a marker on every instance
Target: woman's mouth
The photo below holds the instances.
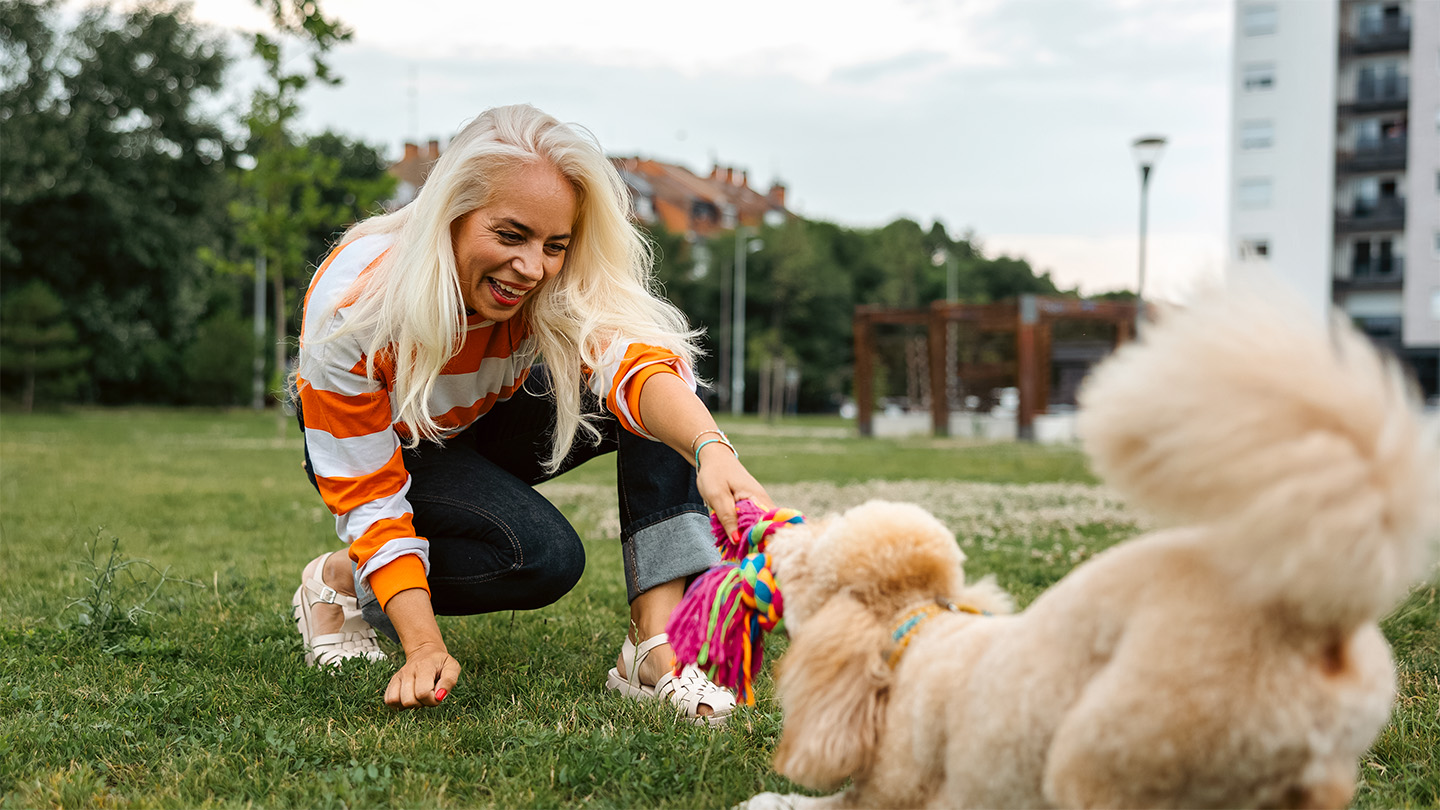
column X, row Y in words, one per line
column 505, row 295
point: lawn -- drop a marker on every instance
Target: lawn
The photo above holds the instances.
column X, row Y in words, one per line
column 200, row 698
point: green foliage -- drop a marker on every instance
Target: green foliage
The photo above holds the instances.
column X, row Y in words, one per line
column 219, row 362
column 803, row 284
column 360, row 183
column 117, row 593
column 293, row 189
column 39, row 344
column 112, row 177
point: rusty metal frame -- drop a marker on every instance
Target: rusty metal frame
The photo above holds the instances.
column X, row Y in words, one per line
column 1031, row 318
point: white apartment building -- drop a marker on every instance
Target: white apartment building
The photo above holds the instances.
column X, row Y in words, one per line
column 1335, row 169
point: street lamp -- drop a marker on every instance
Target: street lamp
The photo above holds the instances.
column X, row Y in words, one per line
column 1147, row 152
column 945, row 257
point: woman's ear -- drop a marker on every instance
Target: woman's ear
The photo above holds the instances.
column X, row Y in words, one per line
column 833, row 683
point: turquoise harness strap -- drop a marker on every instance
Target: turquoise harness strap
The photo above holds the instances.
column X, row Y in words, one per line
column 905, row 631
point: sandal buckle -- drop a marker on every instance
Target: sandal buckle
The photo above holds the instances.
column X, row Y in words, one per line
column 329, row 595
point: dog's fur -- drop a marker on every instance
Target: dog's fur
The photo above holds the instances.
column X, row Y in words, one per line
column 1233, row 660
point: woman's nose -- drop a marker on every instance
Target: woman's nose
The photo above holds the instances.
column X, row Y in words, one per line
column 530, row 263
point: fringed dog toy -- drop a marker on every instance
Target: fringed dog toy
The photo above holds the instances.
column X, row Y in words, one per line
column 720, row 624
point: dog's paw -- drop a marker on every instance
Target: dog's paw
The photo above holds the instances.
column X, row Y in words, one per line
column 774, row 801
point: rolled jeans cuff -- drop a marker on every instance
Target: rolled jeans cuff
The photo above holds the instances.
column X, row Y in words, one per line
column 672, row 548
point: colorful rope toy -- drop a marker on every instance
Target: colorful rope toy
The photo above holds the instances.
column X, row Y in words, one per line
column 720, row 624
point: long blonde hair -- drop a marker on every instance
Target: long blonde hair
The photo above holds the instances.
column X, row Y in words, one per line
column 411, row 305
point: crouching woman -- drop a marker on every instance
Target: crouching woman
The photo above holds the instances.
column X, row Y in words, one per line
column 495, row 332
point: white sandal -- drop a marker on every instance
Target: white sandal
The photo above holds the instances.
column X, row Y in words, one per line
column 356, row 638
column 688, row 691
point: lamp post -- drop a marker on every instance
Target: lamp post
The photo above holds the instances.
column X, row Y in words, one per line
column 952, row 294
column 1147, row 152
column 744, row 245
column 257, row 382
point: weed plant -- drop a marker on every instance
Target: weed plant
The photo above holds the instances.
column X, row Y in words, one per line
column 187, row 689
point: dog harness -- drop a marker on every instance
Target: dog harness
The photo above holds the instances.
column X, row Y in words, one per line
column 905, row 631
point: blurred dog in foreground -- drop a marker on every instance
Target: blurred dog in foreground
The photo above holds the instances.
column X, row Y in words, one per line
column 1232, row 660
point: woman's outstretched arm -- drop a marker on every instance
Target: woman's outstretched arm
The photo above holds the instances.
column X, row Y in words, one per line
column 675, row 415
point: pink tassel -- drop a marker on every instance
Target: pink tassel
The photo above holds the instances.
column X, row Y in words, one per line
column 719, row 625
column 689, row 625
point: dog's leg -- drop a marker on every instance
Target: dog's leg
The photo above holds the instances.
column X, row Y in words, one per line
column 793, row 801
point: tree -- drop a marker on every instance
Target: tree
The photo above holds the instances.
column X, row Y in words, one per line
column 38, row 342
column 281, row 204
column 361, row 183
column 112, row 177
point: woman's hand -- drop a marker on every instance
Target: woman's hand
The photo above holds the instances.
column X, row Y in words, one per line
column 428, row 675
column 723, row 480
column 429, row 672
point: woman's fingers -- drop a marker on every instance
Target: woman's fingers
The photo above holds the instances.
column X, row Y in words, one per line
column 449, row 674
column 423, row 681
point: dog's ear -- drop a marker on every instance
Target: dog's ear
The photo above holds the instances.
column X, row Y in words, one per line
column 833, row 683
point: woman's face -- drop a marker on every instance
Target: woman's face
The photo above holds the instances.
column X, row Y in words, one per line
column 505, row 250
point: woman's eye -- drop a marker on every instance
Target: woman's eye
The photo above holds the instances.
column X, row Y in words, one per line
column 510, row 236
column 556, row 248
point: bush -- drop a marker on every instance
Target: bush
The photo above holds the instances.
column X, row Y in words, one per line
column 219, row 364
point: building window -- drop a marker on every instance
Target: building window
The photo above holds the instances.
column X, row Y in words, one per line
column 1381, row 82
column 1259, row 134
column 1254, row 192
column 1384, row 328
column 1254, row 248
column 1375, row 259
column 1258, row 77
column 1258, row 19
column 1379, row 18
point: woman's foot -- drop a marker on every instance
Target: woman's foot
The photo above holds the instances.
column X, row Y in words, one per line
column 328, row 615
column 690, row 690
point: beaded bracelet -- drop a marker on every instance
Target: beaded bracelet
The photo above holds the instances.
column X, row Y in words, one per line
column 725, row 442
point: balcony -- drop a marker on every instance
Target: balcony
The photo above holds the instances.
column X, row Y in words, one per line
column 1379, row 154
column 1384, row 273
column 1385, row 214
column 1383, row 36
column 1379, row 94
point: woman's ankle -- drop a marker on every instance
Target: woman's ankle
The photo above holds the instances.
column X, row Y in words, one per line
column 650, row 611
column 339, row 574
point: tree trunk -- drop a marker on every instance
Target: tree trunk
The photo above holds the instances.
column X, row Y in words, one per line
column 27, row 399
column 282, row 366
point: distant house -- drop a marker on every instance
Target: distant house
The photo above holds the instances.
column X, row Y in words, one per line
column 684, row 202
column 673, row 196
column 411, row 171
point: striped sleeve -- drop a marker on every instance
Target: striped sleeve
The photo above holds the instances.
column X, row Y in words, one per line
column 624, row 368
column 353, row 447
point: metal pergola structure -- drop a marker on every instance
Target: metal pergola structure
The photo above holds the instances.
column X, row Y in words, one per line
column 1032, row 320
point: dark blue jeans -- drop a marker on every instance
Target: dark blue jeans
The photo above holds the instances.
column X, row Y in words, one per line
column 497, row 544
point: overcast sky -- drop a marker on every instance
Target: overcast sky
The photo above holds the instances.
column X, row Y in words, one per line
column 1011, row 118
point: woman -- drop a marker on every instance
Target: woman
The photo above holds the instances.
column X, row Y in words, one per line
column 426, row 425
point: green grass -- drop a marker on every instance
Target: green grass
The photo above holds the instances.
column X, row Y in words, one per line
column 203, row 701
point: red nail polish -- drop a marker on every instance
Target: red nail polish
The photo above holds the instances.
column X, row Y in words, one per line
column 440, row 695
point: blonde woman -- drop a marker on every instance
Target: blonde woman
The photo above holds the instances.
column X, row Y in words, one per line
column 495, row 332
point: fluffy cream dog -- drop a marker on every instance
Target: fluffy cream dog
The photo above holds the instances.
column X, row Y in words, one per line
column 1233, row 660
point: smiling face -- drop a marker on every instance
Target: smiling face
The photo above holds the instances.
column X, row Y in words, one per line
column 505, row 250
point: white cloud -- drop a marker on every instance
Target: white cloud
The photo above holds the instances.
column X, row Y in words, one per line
column 1009, row 117
column 1176, row 263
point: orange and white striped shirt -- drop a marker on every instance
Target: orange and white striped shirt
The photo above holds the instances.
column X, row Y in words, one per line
column 354, row 438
